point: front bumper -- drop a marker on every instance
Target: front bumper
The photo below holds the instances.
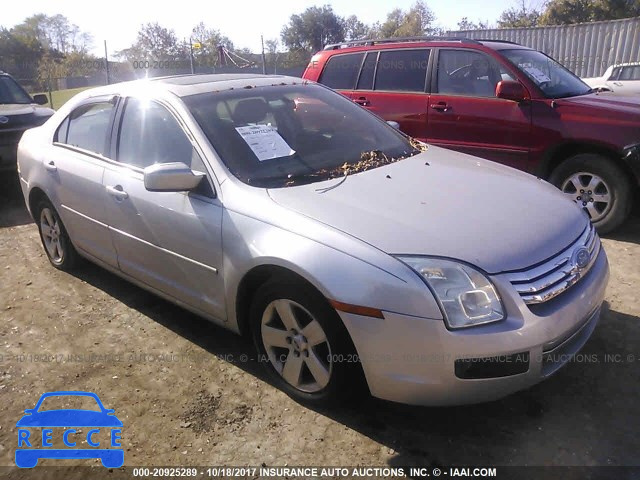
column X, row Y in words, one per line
column 413, row 360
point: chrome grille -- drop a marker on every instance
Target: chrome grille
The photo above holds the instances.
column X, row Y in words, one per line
column 543, row 282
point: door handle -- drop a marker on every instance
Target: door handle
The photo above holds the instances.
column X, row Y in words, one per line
column 51, row 166
column 441, row 106
column 362, row 101
column 117, row 192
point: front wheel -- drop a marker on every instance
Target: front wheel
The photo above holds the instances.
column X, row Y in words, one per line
column 598, row 185
column 303, row 344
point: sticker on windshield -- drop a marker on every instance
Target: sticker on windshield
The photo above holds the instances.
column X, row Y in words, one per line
column 537, row 74
column 265, row 142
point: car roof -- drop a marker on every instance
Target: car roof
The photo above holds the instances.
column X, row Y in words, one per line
column 410, row 42
column 192, row 84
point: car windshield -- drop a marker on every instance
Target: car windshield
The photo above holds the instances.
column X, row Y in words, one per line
column 283, row 135
column 552, row 78
column 11, row 92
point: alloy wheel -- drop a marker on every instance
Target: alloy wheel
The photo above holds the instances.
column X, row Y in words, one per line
column 591, row 192
column 51, row 235
column 296, row 345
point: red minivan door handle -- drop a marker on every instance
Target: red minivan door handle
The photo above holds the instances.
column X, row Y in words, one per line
column 362, row 101
column 440, row 106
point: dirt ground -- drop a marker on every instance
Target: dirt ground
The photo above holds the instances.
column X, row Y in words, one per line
column 187, row 396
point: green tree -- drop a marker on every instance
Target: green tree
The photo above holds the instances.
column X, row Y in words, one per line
column 20, row 54
column 209, row 39
column 521, row 16
column 564, row 12
column 314, row 28
column 466, row 24
column 354, row 29
column 418, row 20
column 154, row 42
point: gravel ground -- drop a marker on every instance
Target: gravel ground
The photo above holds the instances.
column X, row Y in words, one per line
column 186, row 397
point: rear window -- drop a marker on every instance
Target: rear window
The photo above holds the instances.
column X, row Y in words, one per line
column 402, row 70
column 341, row 71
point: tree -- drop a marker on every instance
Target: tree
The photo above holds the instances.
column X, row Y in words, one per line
column 154, row 42
column 564, row 12
column 54, row 33
column 19, row 54
column 209, row 39
column 418, row 20
column 314, row 28
column 520, row 16
column 354, row 29
column 466, row 24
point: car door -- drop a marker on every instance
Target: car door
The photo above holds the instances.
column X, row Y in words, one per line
column 392, row 83
column 465, row 114
column 628, row 81
column 170, row 241
column 341, row 72
column 76, row 167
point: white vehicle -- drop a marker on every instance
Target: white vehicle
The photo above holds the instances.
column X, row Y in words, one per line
column 622, row 78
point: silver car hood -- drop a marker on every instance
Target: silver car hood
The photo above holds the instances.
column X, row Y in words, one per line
column 446, row 204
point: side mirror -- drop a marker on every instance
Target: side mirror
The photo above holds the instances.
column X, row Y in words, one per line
column 29, row 411
column 109, row 411
column 395, row 125
column 510, row 90
column 40, row 99
column 171, row 177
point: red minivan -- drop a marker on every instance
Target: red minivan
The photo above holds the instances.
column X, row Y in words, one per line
column 501, row 101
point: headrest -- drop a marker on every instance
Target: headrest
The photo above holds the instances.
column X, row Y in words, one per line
column 251, row 110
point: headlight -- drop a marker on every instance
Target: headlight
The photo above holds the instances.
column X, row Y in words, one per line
column 466, row 296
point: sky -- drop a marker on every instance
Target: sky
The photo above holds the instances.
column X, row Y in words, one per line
column 118, row 21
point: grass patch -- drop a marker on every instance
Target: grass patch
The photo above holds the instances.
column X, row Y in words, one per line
column 60, row 97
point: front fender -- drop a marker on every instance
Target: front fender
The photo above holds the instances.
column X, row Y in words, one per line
column 337, row 273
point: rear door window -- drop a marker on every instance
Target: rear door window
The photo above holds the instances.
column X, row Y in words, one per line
column 402, row 70
column 87, row 127
column 365, row 82
column 341, row 71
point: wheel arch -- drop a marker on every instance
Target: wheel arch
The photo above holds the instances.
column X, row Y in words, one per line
column 36, row 195
column 561, row 152
column 253, row 280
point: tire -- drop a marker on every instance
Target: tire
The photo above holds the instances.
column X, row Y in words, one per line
column 55, row 239
column 588, row 178
column 287, row 319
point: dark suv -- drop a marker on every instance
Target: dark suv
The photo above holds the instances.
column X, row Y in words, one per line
column 500, row 101
column 18, row 112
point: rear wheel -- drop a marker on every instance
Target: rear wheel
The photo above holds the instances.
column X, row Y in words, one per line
column 599, row 186
column 55, row 239
column 303, row 344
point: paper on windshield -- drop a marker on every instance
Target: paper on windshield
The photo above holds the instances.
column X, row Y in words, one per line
column 537, row 74
column 265, row 142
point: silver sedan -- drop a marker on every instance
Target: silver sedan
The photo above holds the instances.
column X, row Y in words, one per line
column 279, row 209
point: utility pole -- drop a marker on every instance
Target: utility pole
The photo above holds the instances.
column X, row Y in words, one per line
column 106, row 63
column 264, row 61
column 191, row 56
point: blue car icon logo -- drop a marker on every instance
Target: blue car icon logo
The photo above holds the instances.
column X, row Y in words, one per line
column 100, row 429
